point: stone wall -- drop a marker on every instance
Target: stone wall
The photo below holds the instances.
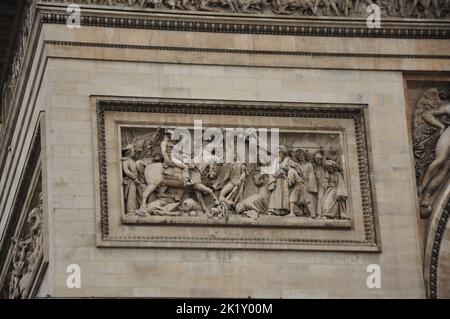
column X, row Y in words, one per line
column 226, row 273
column 70, row 68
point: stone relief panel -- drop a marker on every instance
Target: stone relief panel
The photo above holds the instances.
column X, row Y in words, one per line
column 24, row 246
column 341, row 8
column 27, row 259
column 318, row 195
column 309, row 186
column 431, row 134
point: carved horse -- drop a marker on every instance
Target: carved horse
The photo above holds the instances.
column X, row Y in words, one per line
column 156, row 175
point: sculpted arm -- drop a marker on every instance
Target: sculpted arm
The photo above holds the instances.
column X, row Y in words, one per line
column 431, row 118
column 164, row 152
column 127, row 171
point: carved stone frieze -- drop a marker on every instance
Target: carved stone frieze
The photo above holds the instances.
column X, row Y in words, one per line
column 147, row 196
column 308, row 184
column 340, row 8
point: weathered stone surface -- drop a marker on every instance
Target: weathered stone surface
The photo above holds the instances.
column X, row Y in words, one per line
column 67, row 71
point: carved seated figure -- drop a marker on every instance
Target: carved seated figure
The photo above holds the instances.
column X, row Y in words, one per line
column 171, row 161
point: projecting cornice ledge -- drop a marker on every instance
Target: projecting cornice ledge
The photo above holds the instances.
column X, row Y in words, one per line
column 247, row 22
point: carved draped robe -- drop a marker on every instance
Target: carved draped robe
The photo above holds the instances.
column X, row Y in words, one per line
column 129, row 185
column 335, row 198
column 321, row 177
column 309, row 176
column 279, row 198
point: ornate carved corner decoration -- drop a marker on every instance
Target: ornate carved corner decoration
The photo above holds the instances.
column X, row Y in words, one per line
column 22, row 250
column 110, row 237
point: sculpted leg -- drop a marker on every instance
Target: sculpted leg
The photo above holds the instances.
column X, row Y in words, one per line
column 148, row 190
column 203, row 188
column 442, row 156
column 199, row 196
column 225, row 191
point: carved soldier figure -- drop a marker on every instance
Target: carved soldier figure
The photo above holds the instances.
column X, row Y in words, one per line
column 308, row 204
column 130, row 179
column 297, row 194
column 169, row 160
column 336, row 194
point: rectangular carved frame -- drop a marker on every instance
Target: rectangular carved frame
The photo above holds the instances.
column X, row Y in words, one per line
column 110, row 236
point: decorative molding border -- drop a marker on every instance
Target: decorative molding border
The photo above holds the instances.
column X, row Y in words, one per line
column 356, row 113
column 338, row 8
column 409, row 29
column 436, row 251
column 242, row 51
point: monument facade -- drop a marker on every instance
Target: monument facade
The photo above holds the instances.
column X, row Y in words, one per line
column 233, row 148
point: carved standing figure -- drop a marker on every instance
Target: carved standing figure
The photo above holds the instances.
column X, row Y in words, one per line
column 130, row 179
column 336, row 194
column 279, row 186
column 308, row 204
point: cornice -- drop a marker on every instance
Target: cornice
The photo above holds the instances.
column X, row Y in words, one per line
column 250, row 24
